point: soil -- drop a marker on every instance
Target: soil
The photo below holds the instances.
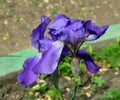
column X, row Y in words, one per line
column 11, row 90
column 19, row 17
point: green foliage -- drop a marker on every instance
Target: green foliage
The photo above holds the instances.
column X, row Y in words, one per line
column 65, row 67
column 30, row 95
column 93, row 88
column 118, row 40
column 90, row 49
column 1, row 86
column 55, row 78
column 54, row 93
column 98, row 80
column 112, row 94
column 41, row 88
column 111, row 54
column 43, row 76
column 82, row 67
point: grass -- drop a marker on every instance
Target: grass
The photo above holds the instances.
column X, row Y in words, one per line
column 112, row 94
column 108, row 55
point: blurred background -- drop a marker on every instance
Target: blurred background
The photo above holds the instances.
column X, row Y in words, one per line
column 19, row 17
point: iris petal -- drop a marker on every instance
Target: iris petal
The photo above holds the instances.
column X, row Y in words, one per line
column 45, row 44
column 27, row 76
column 50, row 59
column 38, row 32
column 94, row 31
column 90, row 64
column 75, row 25
column 58, row 24
column 72, row 36
column 57, row 16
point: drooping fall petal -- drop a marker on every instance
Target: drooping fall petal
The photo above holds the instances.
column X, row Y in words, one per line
column 45, row 44
column 94, row 31
column 27, row 76
column 50, row 59
column 90, row 64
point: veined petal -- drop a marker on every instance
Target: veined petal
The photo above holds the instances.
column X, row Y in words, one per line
column 57, row 16
column 59, row 23
column 75, row 25
column 27, row 76
column 50, row 59
column 72, row 36
column 73, row 32
column 90, row 65
column 38, row 32
column 45, row 44
column 94, row 31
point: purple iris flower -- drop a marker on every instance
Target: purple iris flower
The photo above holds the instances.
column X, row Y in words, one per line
column 67, row 35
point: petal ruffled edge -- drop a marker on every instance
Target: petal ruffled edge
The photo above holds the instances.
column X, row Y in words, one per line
column 93, row 31
column 38, row 32
column 57, row 16
column 27, row 76
column 90, row 64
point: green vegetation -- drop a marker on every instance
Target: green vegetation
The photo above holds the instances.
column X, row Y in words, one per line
column 65, row 67
column 108, row 55
column 98, row 80
column 111, row 94
column 54, row 93
column 41, row 88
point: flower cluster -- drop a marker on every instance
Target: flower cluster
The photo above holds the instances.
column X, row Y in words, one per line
column 67, row 35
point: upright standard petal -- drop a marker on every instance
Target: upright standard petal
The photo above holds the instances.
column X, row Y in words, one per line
column 58, row 24
column 72, row 33
column 57, row 16
column 38, row 32
column 90, row 65
column 94, row 31
column 72, row 36
column 50, row 59
column 27, row 76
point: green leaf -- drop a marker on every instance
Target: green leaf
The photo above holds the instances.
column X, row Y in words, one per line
column 41, row 88
column 93, row 89
column 55, row 93
column 98, row 80
column 112, row 94
column 55, row 78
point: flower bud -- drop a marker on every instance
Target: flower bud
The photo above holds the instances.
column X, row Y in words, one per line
column 75, row 66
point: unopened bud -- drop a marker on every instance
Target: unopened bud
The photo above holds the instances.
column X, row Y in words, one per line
column 75, row 66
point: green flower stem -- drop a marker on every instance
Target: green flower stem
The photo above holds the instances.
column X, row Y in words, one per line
column 74, row 92
column 77, row 83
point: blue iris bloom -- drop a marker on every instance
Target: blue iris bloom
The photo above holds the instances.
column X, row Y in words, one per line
column 67, row 35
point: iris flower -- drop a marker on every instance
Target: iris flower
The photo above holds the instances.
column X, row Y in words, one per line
column 67, row 35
